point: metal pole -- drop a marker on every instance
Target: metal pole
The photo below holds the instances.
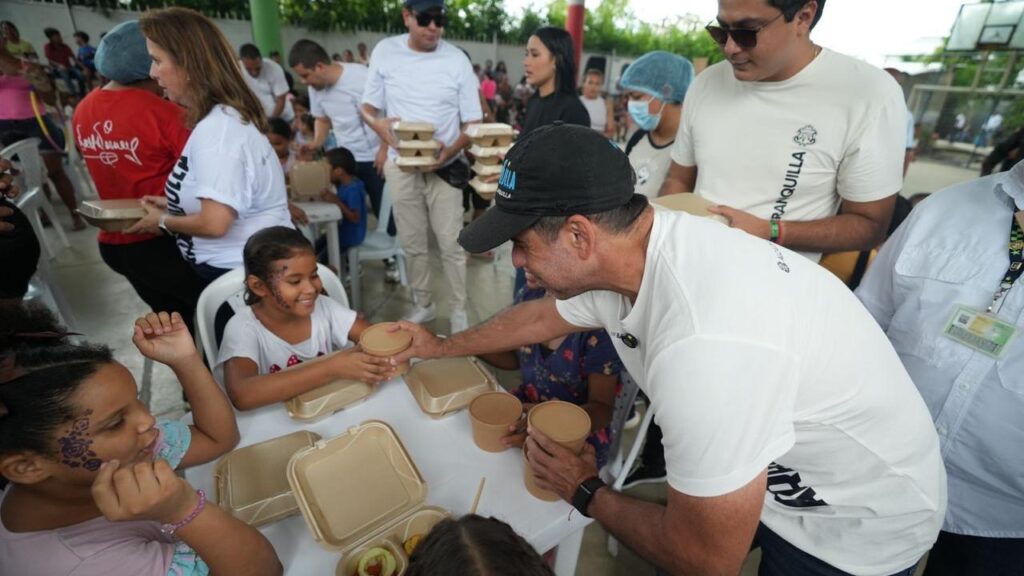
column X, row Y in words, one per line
column 574, row 24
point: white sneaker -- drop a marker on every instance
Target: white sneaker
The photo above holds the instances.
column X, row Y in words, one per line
column 419, row 314
column 459, row 321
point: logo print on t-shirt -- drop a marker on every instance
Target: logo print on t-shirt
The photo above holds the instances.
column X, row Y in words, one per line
column 806, row 136
column 785, row 485
column 173, row 192
column 105, row 147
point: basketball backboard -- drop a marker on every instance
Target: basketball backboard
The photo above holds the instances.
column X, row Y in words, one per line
column 988, row 26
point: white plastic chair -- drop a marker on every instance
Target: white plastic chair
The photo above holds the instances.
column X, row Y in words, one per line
column 79, row 175
column 378, row 245
column 230, row 288
column 32, row 200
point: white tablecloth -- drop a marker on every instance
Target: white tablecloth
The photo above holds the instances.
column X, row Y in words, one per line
column 449, row 461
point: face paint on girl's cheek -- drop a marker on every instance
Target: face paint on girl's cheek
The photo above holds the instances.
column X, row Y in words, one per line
column 274, row 280
column 74, row 446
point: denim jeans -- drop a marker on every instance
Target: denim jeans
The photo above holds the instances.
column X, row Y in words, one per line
column 960, row 555
column 69, row 74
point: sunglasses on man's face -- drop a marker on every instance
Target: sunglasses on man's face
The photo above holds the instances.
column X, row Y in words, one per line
column 745, row 38
column 424, row 19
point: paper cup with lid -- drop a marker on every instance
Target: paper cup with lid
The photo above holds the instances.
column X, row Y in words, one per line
column 562, row 422
column 378, row 340
column 490, row 414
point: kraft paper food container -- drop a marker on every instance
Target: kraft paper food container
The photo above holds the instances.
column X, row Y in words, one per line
column 251, row 483
column 563, row 422
column 413, row 130
column 489, row 161
column 689, row 203
column 308, row 180
column 416, row 148
column 414, row 163
column 486, row 190
column 328, row 399
column 378, row 341
column 481, row 152
column 447, row 385
column 487, row 169
column 492, row 134
column 112, row 215
column 361, row 490
column 490, row 414
column 531, row 487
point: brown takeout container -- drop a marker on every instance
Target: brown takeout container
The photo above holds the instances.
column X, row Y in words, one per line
column 481, row 153
column 563, row 422
column 487, row 169
column 491, row 134
column 413, row 130
column 414, row 163
column 689, row 203
column 251, row 483
column 308, row 180
column 361, row 490
column 377, row 341
column 486, row 190
column 447, row 385
column 327, row 399
column 112, row 215
column 418, row 148
column 490, row 414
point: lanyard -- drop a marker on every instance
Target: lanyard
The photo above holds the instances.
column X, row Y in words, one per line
column 1016, row 250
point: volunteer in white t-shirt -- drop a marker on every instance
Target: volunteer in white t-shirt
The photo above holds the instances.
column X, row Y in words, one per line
column 655, row 85
column 417, row 77
column 228, row 183
column 267, row 80
column 796, row 142
column 335, row 100
column 785, row 410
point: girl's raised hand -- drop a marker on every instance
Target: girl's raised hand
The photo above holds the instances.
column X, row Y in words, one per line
column 164, row 338
column 354, row 364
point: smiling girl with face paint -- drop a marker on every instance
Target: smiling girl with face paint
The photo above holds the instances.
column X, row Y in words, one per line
column 91, row 486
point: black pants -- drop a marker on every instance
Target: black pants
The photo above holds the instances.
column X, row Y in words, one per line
column 959, row 555
column 158, row 273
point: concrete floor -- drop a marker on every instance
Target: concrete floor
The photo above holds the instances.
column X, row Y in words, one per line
column 104, row 307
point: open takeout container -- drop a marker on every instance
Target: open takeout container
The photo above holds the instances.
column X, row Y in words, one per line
column 112, row 215
column 251, row 483
column 486, row 190
column 446, row 385
column 308, row 180
column 689, row 203
column 361, row 490
column 413, row 130
column 417, row 148
column 377, row 340
column 327, row 399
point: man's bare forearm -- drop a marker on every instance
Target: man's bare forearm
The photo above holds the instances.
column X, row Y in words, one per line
column 519, row 325
column 840, row 233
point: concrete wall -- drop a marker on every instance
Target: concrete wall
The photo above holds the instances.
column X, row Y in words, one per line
column 32, row 17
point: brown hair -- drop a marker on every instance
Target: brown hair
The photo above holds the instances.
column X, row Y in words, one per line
column 201, row 50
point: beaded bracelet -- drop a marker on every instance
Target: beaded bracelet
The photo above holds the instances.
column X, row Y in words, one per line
column 170, row 529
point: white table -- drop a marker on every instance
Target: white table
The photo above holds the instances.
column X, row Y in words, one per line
column 329, row 214
column 450, row 462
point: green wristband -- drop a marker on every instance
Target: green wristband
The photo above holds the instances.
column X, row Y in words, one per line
column 774, row 234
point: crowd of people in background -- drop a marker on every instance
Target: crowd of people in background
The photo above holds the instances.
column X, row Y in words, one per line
column 866, row 405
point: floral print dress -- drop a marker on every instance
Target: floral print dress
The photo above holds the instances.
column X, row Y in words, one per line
column 562, row 374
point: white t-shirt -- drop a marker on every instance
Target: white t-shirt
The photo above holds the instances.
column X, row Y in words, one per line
column 340, row 103
column 755, row 358
column 270, row 84
column 246, row 337
column 651, row 164
column 794, row 149
column 598, row 111
column 437, row 87
column 230, row 162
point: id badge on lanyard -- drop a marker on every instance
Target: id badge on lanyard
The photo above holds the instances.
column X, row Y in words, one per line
column 984, row 331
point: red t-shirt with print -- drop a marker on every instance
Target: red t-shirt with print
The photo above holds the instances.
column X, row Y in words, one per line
column 130, row 140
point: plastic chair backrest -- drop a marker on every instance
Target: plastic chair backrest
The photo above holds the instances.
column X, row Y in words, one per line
column 620, row 413
column 29, row 160
column 385, row 210
column 230, row 288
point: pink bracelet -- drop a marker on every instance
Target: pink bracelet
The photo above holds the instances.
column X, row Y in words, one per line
column 170, row 529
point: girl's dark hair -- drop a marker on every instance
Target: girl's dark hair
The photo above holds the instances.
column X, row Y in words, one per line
column 559, row 43
column 42, row 371
column 475, row 546
column 266, row 247
column 280, row 127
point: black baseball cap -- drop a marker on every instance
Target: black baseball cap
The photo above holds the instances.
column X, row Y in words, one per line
column 556, row 170
column 424, row 5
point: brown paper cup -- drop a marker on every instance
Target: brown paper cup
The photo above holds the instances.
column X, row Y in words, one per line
column 377, row 341
column 563, row 422
column 491, row 413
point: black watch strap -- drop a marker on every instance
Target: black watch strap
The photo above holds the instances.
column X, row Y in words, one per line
column 585, row 493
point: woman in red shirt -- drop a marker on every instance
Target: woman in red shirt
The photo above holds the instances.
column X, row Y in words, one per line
column 130, row 139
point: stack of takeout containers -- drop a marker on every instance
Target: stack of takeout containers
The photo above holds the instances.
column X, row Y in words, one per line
column 360, row 492
column 562, row 422
column 689, row 203
column 252, row 483
column 416, row 145
column 308, row 180
column 329, row 398
column 447, row 385
column 112, row 215
column 490, row 143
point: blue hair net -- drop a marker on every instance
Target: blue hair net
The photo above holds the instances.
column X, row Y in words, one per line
column 122, row 56
column 660, row 74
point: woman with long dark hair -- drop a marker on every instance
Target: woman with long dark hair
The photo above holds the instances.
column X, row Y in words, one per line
column 550, row 67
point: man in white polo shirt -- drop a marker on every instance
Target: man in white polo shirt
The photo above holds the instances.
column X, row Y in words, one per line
column 266, row 79
column 797, row 143
column 788, row 418
column 417, row 77
column 335, row 98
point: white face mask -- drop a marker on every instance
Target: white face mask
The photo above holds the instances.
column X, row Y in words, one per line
column 638, row 110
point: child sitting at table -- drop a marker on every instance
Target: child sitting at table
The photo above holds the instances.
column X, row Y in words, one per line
column 349, row 195
column 280, row 136
column 286, row 323
column 475, row 546
column 91, row 488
